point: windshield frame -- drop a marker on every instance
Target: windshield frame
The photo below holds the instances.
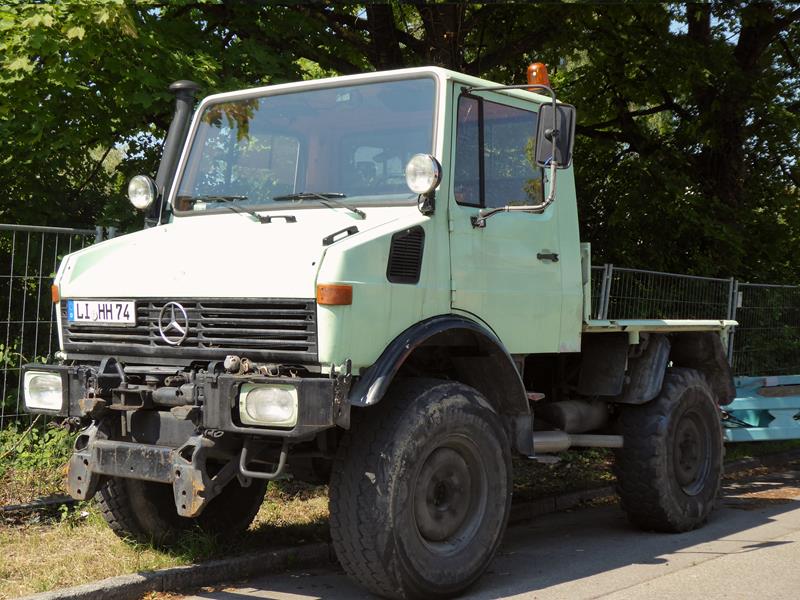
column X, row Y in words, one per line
column 298, row 87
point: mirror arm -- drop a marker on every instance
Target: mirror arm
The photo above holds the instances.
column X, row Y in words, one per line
column 479, row 221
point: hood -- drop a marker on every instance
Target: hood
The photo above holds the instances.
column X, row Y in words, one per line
column 214, row 256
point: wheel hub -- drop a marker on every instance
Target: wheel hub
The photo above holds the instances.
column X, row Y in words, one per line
column 442, row 499
column 691, row 454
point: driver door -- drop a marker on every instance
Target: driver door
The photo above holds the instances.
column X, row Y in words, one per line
column 508, row 273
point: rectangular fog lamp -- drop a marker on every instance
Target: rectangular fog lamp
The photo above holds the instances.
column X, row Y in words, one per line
column 271, row 405
column 43, row 390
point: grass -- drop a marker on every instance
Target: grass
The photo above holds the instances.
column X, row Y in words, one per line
column 70, row 548
column 42, row 556
column 754, row 449
column 77, row 547
column 19, row 485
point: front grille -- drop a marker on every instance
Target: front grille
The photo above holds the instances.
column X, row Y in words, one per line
column 271, row 329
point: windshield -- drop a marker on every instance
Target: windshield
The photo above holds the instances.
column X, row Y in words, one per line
column 349, row 142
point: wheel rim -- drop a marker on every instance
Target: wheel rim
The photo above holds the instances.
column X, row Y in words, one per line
column 691, row 453
column 450, row 496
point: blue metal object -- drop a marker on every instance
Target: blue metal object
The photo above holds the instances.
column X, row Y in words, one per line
column 765, row 408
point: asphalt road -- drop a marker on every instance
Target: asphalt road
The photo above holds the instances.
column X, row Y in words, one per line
column 749, row 549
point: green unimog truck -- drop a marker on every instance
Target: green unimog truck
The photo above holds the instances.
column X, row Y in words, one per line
column 371, row 280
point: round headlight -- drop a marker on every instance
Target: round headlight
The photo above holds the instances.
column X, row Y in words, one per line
column 141, row 191
column 423, row 173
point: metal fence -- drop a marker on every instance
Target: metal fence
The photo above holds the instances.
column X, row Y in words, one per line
column 767, row 339
column 624, row 293
column 29, row 257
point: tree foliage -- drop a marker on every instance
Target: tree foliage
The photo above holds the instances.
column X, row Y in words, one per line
column 688, row 113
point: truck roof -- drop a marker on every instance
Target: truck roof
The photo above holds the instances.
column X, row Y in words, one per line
column 442, row 75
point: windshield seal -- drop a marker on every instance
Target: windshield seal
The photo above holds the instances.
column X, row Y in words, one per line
column 365, row 200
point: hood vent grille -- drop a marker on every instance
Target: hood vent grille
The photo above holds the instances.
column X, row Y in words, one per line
column 405, row 256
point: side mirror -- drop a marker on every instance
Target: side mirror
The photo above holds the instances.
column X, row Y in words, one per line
column 555, row 143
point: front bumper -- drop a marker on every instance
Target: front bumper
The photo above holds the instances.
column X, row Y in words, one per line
column 214, row 400
column 129, row 432
column 183, row 468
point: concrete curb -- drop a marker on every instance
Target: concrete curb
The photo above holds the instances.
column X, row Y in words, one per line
column 133, row 587
column 525, row 511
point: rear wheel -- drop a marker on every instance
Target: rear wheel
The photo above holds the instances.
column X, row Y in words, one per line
column 145, row 511
column 421, row 490
column 670, row 470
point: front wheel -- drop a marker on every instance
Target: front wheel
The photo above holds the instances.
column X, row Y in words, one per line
column 421, row 491
column 670, row 469
column 145, row 511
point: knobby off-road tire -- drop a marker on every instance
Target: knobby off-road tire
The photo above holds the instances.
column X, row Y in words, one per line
column 421, row 490
column 669, row 472
column 145, row 511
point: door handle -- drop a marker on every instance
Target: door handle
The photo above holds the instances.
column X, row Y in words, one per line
column 551, row 256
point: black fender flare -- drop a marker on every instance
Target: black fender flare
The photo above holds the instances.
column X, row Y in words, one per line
column 505, row 390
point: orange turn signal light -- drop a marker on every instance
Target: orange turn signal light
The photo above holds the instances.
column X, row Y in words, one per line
column 55, row 293
column 537, row 74
column 331, row 294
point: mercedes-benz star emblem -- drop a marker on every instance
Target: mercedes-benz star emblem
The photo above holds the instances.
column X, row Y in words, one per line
column 173, row 323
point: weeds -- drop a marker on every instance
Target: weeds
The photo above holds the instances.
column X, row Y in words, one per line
column 75, row 515
column 33, row 463
column 40, row 447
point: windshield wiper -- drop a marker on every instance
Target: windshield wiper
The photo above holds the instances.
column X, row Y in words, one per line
column 213, row 198
column 252, row 213
column 230, row 198
column 326, row 198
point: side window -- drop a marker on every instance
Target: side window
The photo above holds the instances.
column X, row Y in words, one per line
column 510, row 172
column 505, row 172
column 467, row 176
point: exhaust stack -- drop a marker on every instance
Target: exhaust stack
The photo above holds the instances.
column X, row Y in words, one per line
column 184, row 91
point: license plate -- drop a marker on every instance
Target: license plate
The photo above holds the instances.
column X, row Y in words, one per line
column 101, row 312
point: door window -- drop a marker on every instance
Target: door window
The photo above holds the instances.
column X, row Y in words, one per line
column 495, row 155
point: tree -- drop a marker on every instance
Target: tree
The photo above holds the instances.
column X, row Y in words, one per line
column 84, row 84
column 688, row 113
column 693, row 112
